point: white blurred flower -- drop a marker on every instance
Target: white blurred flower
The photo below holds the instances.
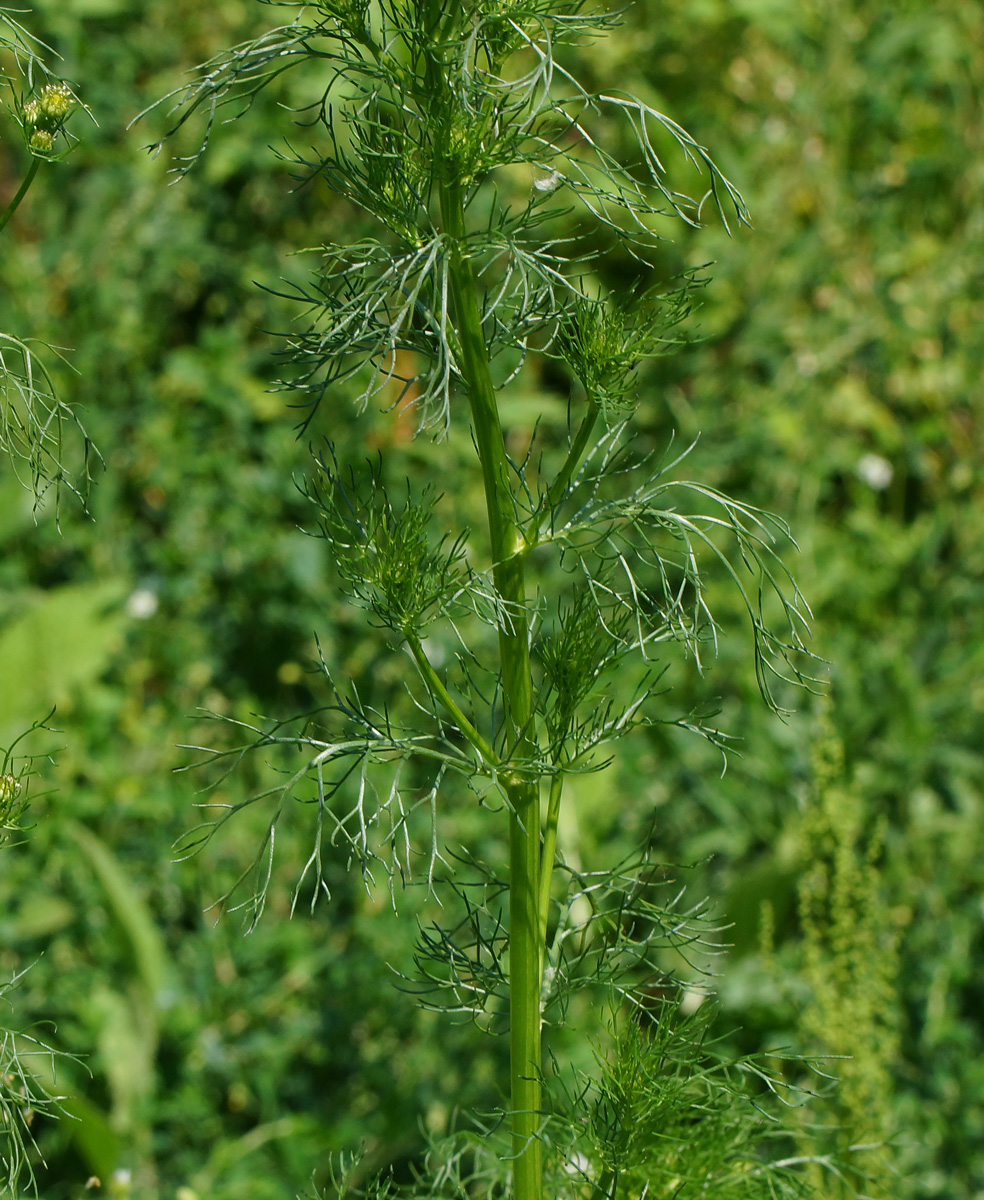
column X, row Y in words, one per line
column 807, row 363
column 141, row 604
column 875, row 471
column 548, row 183
column 435, row 651
column 691, row 1000
column 579, row 1164
column 120, row 1183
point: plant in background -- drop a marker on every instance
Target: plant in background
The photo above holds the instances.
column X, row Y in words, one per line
column 850, row 946
column 461, row 134
column 26, row 1063
column 32, row 416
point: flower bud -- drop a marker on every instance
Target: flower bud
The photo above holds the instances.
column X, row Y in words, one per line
column 43, row 140
column 32, row 112
column 56, row 101
column 10, row 787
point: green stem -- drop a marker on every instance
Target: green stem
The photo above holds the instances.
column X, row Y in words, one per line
column 521, row 785
column 574, row 455
column 549, row 851
column 21, row 192
column 606, row 1184
column 434, row 682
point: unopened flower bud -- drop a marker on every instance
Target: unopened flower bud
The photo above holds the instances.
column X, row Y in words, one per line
column 32, row 112
column 10, row 787
column 56, row 101
column 43, row 140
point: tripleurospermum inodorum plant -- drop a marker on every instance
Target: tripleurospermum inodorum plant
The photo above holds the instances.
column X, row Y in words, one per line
column 463, row 133
column 36, row 106
column 27, row 1064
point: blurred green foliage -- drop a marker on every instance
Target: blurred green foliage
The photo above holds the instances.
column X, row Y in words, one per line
column 837, row 383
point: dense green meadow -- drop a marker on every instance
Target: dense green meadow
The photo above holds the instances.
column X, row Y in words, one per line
column 830, row 373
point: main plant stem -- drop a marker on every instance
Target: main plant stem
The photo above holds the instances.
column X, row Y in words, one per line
column 521, row 784
column 28, row 179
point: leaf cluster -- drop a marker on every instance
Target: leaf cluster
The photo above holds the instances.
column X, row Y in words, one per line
column 603, row 341
column 385, row 555
column 665, row 1113
column 27, row 1063
column 33, row 418
column 372, row 781
column 17, row 769
column 615, row 931
column 34, row 422
column 23, row 49
column 582, row 647
column 465, row 1164
column 618, row 527
column 668, row 1115
column 419, row 101
column 637, row 563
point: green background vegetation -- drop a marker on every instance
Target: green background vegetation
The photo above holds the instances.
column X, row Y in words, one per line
column 837, row 382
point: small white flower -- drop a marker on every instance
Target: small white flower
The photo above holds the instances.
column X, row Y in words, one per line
column 875, row 471
column 548, row 183
column 141, row 604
